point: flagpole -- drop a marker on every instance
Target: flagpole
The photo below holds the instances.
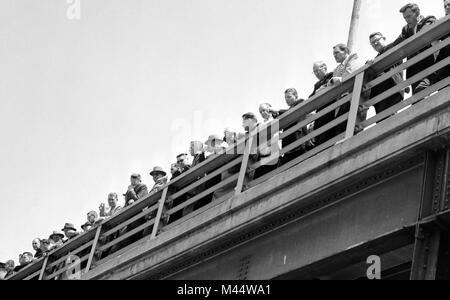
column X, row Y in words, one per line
column 354, row 24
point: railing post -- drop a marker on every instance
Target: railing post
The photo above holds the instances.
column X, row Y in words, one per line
column 243, row 171
column 354, row 106
column 44, row 265
column 162, row 201
column 94, row 247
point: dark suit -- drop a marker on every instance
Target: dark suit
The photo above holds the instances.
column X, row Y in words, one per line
column 425, row 63
column 327, row 118
column 140, row 191
column 384, row 86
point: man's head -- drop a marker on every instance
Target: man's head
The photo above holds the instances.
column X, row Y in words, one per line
column 411, row 14
column 112, row 199
column 249, row 121
column 447, row 7
column 182, row 160
column 377, row 41
column 320, row 69
column 36, row 244
column 25, row 258
column 92, row 216
column 69, row 230
column 157, row 173
column 264, row 111
column 291, row 97
column 340, row 53
column 135, row 179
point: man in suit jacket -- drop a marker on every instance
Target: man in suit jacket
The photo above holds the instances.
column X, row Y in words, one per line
column 415, row 23
column 136, row 190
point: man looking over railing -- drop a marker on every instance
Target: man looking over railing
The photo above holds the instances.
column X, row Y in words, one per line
column 136, row 190
column 445, row 52
column 113, row 207
column 415, row 23
column 378, row 43
column 320, row 70
column 347, row 64
column 36, row 244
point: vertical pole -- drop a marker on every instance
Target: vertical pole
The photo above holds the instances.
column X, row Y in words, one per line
column 94, row 247
column 244, row 164
column 354, row 24
column 44, row 265
column 162, row 201
column 356, row 98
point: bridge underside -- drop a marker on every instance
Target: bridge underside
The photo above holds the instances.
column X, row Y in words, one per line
column 384, row 192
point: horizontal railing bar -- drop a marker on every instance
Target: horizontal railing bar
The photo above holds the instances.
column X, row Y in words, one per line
column 127, row 234
column 407, row 64
column 203, row 194
column 85, row 246
column 316, row 116
column 315, row 133
column 415, row 98
column 298, row 160
column 401, row 86
column 206, row 178
column 32, row 275
column 129, row 221
column 62, row 270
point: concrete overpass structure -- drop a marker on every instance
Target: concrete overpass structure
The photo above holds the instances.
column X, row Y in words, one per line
column 384, row 191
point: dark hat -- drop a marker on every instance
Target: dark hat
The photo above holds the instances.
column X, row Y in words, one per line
column 182, row 154
column 249, row 115
column 69, row 226
column 213, row 137
column 56, row 233
column 158, row 170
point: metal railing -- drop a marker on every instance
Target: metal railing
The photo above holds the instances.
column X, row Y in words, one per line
column 195, row 189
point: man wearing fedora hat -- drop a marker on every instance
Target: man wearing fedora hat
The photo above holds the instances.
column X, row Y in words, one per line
column 57, row 238
column 70, row 231
column 136, row 190
column 160, row 179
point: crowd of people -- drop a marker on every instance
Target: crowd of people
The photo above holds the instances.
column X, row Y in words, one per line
column 216, row 144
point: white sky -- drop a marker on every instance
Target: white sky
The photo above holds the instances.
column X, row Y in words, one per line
column 85, row 103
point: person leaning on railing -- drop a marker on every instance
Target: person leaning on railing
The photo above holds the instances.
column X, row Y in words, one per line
column 444, row 52
column 113, row 207
column 320, row 70
column 136, row 190
column 292, row 100
column 415, row 22
column 378, row 43
column 347, row 64
column 24, row 260
column 36, row 244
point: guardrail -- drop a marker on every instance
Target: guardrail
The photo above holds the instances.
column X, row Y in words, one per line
column 195, row 191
